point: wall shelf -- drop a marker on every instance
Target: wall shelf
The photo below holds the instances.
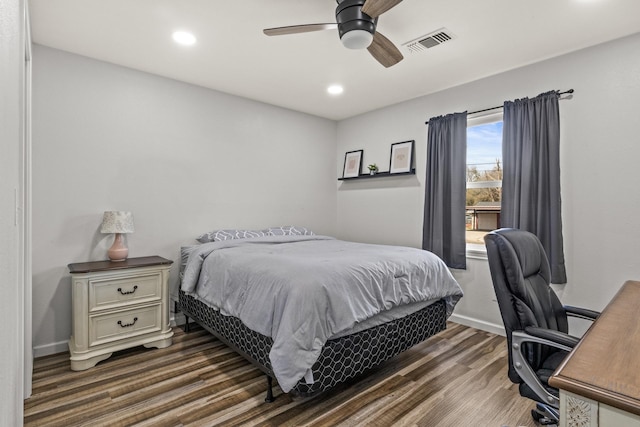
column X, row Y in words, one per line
column 378, row 175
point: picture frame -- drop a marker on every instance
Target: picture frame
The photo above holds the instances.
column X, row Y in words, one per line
column 401, row 157
column 352, row 164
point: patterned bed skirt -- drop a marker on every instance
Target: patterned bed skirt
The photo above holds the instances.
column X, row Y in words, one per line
column 341, row 359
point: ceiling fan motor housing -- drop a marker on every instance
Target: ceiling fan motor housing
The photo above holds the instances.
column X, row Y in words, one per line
column 350, row 17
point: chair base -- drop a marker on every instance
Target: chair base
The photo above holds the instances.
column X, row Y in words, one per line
column 545, row 415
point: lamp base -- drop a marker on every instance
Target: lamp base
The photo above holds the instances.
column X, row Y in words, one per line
column 118, row 251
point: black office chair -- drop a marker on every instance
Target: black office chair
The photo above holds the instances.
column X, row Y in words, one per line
column 534, row 319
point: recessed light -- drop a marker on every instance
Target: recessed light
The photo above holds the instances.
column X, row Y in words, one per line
column 184, row 38
column 335, row 89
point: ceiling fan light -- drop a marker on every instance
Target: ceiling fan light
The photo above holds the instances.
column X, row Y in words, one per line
column 356, row 39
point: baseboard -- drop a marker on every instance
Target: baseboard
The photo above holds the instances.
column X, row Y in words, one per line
column 478, row 324
column 49, row 349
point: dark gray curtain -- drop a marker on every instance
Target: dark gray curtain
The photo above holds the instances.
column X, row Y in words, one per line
column 531, row 180
column 443, row 229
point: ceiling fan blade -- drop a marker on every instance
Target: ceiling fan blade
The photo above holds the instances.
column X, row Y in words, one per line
column 384, row 51
column 375, row 8
column 296, row 29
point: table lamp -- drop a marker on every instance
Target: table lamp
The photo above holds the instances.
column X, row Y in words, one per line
column 118, row 222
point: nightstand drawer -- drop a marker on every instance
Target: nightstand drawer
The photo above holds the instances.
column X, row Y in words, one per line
column 125, row 290
column 121, row 324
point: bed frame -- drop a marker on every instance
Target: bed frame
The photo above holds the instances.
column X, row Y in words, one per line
column 341, row 358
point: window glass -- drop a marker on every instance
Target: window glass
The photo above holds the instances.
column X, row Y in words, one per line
column 484, row 178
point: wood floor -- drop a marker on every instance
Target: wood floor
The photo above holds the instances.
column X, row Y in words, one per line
column 457, row 378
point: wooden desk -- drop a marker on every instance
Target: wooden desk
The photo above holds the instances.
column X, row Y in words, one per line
column 599, row 381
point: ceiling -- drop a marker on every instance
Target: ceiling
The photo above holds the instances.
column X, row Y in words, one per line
column 232, row 54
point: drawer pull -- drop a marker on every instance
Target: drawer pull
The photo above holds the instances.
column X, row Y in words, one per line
column 128, row 292
column 126, row 325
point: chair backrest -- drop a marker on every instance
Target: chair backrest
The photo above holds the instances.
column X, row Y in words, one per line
column 521, row 276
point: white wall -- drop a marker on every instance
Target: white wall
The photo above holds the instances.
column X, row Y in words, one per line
column 12, row 54
column 599, row 161
column 182, row 158
column 185, row 160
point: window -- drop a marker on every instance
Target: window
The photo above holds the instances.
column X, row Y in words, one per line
column 484, row 178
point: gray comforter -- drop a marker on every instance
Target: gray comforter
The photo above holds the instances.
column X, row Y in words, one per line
column 301, row 290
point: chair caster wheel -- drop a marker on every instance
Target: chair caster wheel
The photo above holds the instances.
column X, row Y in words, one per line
column 537, row 416
column 542, row 419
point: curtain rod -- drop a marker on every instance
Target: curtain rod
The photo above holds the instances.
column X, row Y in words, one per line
column 501, row 106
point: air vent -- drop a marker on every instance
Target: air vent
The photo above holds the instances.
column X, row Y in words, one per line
column 428, row 41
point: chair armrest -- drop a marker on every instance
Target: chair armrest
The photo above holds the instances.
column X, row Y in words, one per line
column 524, row 370
column 557, row 337
column 582, row 313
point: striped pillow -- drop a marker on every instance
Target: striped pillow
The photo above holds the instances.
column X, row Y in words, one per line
column 220, row 235
column 290, row 230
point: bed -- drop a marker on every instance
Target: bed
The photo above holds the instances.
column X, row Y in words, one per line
column 313, row 311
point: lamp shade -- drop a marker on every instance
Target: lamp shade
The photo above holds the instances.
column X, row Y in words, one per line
column 117, row 222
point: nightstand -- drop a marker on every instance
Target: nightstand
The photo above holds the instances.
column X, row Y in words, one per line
column 118, row 305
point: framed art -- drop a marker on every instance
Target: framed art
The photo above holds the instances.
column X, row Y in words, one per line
column 352, row 164
column 401, row 157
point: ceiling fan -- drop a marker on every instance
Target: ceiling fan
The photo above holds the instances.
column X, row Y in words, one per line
column 356, row 21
